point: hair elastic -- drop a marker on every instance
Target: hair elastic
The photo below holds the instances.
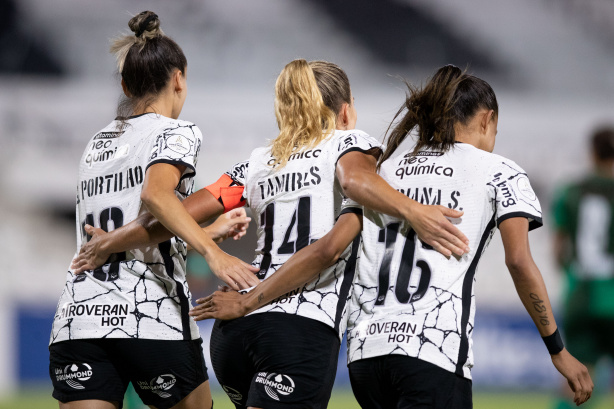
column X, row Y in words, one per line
column 145, row 23
column 554, row 342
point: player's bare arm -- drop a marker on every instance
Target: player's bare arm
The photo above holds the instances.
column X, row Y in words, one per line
column 147, row 230
column 95, row 252
column 144, row 231
column 161, row 201
column 532, row 292
column 300, row 269
column 360, row 182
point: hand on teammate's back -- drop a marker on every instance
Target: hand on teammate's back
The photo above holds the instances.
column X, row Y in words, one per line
column 224, row 305
column 432, row 226
column 91, row 255
column 236, row 273
column 577, row 375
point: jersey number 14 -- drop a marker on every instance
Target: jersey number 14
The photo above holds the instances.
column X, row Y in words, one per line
column 301, row 220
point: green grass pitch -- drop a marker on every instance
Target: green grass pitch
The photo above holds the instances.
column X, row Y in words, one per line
column 342, row 399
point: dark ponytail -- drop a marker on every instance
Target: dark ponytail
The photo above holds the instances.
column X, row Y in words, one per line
column 450, row 96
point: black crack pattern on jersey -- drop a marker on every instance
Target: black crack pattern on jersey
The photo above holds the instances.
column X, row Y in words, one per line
column 433, row 322
column 142, row 303
column 238, row 172
column 359, row 291
column 148, row 296
column 309, row 302
column 148, row 293
column 444, row 299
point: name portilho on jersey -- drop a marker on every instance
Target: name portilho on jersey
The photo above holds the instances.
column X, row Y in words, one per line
column 115, row 182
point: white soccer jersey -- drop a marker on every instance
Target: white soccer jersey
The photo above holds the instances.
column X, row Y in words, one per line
column 294, row 206
column 407, row 298
column 140, row 293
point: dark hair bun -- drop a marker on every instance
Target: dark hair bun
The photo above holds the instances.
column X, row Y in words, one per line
column 146, row 24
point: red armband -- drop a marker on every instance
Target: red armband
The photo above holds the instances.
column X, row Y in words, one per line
column 230, row 196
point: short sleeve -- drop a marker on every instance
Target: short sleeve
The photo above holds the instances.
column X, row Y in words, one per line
column 350, row 206
column 238, row 172
column 356, row 141
column 512, row 194
column 178, row 145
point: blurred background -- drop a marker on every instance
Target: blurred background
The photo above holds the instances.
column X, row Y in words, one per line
column 549, row 61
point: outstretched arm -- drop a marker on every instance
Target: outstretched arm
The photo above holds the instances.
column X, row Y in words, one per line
column 168, row 217
column 146, row 230
column 360, row 182
column 300, row 269
column 532, row 292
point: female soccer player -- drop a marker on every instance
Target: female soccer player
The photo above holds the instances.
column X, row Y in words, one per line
column 128, row 320
column 411, row 310
column 296, row 186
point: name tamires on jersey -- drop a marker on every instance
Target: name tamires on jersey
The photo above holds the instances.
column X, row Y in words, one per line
column 407, row 298
column 140, row 293
column 294, row 206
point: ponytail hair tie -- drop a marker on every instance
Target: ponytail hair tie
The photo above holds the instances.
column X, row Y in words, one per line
column 145, row 23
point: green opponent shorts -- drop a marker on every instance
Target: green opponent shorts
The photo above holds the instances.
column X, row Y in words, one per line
column 589, row 322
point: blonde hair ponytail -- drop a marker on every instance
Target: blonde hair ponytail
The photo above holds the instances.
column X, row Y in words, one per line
column 303, row 118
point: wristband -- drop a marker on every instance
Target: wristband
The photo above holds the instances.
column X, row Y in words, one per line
column 554, row 342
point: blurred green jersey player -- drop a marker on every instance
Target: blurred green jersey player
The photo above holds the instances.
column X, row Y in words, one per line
column 583, row 214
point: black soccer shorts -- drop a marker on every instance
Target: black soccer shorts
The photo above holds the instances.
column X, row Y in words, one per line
column 399, row 381
column 275, row 360
column 162, row 372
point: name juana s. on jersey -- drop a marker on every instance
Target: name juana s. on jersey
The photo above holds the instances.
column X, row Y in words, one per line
column 140, row 293
column 410, row 300
column 294, row 206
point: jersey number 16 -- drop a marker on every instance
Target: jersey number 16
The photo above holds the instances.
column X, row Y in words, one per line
column 388, row 235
